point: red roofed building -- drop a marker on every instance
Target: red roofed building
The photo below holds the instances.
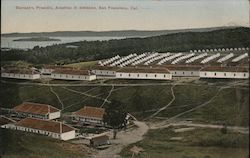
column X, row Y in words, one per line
column 49, row 128
column 20, row 73
column 35, row 110
column 89, row 115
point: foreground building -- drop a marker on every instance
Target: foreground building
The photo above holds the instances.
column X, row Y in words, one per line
column 89, row 115
column 143, row 73
column 35, row 110
column 53, row 129
column 225, row 72
column 72, row 74
column 20, row 73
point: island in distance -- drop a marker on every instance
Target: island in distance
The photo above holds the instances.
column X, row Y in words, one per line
column 38, row 39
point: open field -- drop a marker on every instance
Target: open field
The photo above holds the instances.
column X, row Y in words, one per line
column 197, row 143
column 18, row 144
column 223, row 102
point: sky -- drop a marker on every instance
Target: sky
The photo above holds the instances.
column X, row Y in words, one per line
column 105, row 15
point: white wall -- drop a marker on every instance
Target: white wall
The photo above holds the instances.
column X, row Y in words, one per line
column 21, row 76
column 104, row 72
column 159, row 76
column 185, row 73
column 46, row 71
column 63, row 136
column 54, row 115
column 68, row 135
column 89, row 120
column 215, row 74
column 73, row 77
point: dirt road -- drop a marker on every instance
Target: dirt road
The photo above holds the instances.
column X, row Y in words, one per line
column 124, row 138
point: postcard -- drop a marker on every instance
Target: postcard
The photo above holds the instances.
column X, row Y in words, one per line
column 124, row 78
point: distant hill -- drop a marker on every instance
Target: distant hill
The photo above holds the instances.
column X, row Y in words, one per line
column 122, row 33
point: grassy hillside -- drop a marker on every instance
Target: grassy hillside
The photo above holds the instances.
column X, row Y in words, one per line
column 95, row 50
column 198, row 143
column 228, row 106
column 16, row 144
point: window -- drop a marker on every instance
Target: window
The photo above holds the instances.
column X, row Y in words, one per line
column 192, row 72
column 225, row 74
column 79, row 77
column 175, row 72
column 66, row 76
column 146, row 75
column 205, row 74
column 85, row 78
column 155, row 75
column 214, row 74
column 183, row 73
column 72, row 76
column 164, row 76
column 234, row 74
column 138, row 75
column 107, row 72
column 244, row 75
column 113, row 72
column 129, row 75
column 120, row 74
column 60, row 75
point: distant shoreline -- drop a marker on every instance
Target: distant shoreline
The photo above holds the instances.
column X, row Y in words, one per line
column 37, row 39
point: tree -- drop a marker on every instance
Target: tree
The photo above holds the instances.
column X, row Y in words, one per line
column 115, row 116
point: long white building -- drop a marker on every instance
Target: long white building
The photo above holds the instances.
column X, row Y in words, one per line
column 225, row 72
column 36, row 110
column 184, row 71
column 105, row 71
column 20, row 73
column 48, row 69
column 72, row 74
column 53, row 129
column 143, row 73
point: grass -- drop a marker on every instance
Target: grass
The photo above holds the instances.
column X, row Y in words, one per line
column 18, row 144
column 229, row 106
column 199, row 143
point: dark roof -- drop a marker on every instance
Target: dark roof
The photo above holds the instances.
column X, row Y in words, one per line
column 100, row 138
column 56, row 67
column 5, row 120
column 35, row 108
column 226, row 69
column 143, row 70
column 110, row 68
column 19, row 71
column 72, row 72
column 51, row 126
column 184, row 67
column 89, row 111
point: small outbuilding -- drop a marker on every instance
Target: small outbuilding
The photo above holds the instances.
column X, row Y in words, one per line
column 99, row 140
